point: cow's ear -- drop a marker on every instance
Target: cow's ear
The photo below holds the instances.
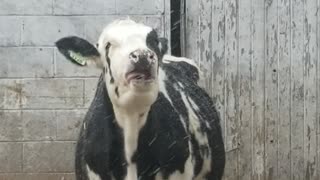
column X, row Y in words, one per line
column 163, row 45
column 79, row 51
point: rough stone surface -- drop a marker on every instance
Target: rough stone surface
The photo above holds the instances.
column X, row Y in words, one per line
column 48, row 157
column 17, row 62
column 11, row 126
column 82, row 7
column 39, row 125
column 37, row 176
column 10, row 34
column 10, row 157
column 69, row 123
column 140, row 6
column 46, row 30
column 29, row 7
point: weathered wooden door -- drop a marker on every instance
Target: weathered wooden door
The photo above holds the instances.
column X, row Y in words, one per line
column 260, row 60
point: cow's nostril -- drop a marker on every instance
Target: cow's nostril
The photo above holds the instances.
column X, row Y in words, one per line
column 151, row 56
column 133, row 57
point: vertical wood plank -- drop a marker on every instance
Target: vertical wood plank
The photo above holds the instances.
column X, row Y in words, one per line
column 218, row 64
column 310, row 94
column 231, row 88
column 205, row 44
column 297, row 109
column 284, row 91
column 183, row 27
column 218, row 41
column 258, row 89
column 318, row 91
column 245, row 118
column 167, row 23
column 192, row 30
column 271, row 89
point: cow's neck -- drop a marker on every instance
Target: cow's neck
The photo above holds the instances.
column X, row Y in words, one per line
column 131, row 121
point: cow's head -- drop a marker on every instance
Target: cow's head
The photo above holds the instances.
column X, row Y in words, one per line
column 129, row 53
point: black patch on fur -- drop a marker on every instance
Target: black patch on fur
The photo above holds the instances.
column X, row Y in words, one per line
column 162, row 131
column 117, row 91
column 108, row 62
column 163, row 141
column 100, row 144
column 183, row 69
column 180, row 72
column 77, row 45
column 196, row 152
column 153, row 41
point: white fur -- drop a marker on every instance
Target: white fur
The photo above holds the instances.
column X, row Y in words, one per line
column 169, row 58
column 186, row 175
column 132, row 104
column 131, row 172
column 162, row 88
column 125, row 36
column 134, row 101
column 92, row 175
column 202, row 139
column 131, row 121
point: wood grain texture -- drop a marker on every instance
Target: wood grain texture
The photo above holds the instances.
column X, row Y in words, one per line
column 258, row 15
column 310, row 94
column 245, row 95
column 318, row 91
column 297, row 88
column 265, row 81
column 205, row 43
column 231, row 87
column 218, row 59
column 284, row 73
column 271, row 88
column 192, row 30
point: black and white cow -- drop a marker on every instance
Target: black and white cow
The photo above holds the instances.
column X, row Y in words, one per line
column 149, row 119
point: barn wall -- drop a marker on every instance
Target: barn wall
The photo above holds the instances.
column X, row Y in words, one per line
column 260, row 60
column 43, row 97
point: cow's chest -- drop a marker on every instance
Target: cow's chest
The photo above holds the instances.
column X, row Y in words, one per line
column 162, row 148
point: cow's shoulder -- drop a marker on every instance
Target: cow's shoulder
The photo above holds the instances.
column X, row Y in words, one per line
column 181, row 67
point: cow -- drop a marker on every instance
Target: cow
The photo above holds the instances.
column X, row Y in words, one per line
column 149, row 119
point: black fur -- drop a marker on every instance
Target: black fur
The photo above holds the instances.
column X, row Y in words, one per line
column 108, row 62
column 153, row 41
column 163, row 142
column 77, row 45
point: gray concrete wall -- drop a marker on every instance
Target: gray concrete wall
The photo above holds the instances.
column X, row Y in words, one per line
column 43, row 97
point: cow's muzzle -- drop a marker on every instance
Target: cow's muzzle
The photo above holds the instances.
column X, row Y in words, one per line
column 143, row 69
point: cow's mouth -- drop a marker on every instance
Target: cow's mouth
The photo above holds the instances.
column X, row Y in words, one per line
column 142, row 76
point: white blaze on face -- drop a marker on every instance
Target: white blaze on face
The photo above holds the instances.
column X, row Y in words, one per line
column 131, row 100
column 125, row 36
